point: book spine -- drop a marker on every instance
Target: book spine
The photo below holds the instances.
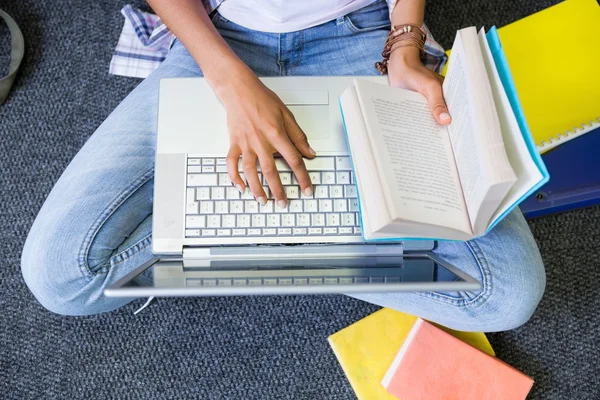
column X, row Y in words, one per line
column 561, row 138
column 387, row 378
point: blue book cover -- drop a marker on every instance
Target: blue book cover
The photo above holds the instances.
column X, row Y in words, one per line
column 511, row 92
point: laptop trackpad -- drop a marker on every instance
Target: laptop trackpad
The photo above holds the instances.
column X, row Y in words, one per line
column 302, row 97
column 313, row 119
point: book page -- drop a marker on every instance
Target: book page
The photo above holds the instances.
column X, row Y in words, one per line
column 484, row 170
column 414, row 156
column 373, row 210
column 527, row 172
column 463, row 136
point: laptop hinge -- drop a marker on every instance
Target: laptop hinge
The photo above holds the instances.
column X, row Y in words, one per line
column 298, row 251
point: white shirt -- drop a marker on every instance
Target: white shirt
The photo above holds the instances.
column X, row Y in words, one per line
column 279, row 16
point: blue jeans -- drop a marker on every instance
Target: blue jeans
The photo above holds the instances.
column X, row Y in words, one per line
column 95, row 226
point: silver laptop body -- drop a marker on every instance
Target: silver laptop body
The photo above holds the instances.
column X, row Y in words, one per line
column 211, row 240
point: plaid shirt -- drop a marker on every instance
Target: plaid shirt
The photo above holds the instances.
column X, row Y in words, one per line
column 145, row 42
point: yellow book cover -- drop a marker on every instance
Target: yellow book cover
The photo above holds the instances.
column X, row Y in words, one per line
column 553, row 57
column 366, row 349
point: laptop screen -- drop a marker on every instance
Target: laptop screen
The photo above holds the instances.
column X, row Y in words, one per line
column 339, row 275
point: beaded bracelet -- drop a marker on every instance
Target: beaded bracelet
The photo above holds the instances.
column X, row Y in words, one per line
column 404, row 35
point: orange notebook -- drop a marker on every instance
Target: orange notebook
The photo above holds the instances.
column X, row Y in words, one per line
column 433, row 364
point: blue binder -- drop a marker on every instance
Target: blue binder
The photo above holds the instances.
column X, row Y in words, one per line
column 575, row 170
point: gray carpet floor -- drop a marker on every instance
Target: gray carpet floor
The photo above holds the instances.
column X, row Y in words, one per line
column 235, row 348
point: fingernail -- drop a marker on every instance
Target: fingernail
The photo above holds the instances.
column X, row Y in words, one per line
column 308, row 191
column 261, row 200
column 281, row 204
column 444, row 116
column 314, row 153
column 239, row 187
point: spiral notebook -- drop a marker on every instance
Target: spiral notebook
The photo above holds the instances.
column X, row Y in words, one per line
column 556, row 72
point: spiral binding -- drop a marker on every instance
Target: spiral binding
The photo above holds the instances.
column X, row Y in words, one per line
column 560, row 138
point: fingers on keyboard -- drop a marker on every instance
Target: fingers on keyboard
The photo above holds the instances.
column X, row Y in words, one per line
column 295, row 161
column 215, row 208
column 269, row 171
column 232, row 167
column 251, row 174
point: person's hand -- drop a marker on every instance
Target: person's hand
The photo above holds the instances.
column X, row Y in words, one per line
column 260, row 125
column 406, row 71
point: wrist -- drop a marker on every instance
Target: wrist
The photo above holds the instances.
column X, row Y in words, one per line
column 232, row 80
column 407, row 55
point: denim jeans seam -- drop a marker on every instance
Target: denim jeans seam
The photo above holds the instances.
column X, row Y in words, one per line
column 354, row 29
column 301, row 49
column 131, row 250
column 279, row 47
column 108, row 211
column 486, row 282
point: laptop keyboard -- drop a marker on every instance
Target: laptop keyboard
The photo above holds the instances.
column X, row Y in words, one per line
column 215, row 208
column 301, row 277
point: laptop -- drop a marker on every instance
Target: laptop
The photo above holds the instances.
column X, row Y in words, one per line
column 210, row 239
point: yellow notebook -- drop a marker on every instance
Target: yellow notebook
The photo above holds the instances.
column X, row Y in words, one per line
column 554, row 57
column 366, row 349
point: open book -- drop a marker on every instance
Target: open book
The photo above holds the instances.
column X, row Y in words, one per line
column 419, row 179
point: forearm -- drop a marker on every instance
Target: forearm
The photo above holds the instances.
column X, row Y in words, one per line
column 407, row 12
column 188, row 20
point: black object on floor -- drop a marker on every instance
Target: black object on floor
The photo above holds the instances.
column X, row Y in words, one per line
column 252, row 347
